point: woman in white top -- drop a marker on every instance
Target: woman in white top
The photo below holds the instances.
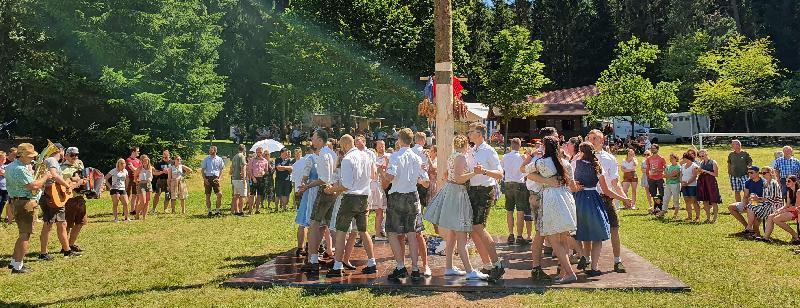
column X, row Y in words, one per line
column 177, row 183
column 689, row 172
column 629, row 178
column 144, row 178
column 118, row 176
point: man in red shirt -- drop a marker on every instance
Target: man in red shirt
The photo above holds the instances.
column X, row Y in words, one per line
column 656, row 164
column 132, row 163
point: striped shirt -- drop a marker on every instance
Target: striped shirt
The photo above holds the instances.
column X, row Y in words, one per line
column 773, row 193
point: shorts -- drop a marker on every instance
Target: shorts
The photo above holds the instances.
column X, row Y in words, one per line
column 160, row 186
column 403, row 213
column 50, row 213
column 611, row 211
column 75, row 211
column 211, row 184
column 689, row 191
column 178, row 190
column 480, row 197
column 283, row 188
column 323, row 207
column 116, row 192
column 239, row 188
column 353, row 207
column 422, row 192
column 517, row 197
column 24, row 210
column 131, row 187
column 737, row 182
column 145, row 187
column 740, row 207
column 656, row 187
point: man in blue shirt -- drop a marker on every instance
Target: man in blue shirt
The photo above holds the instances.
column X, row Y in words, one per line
column 786, row 166
column 212, row 168
column 753, row 193
column 21, row 186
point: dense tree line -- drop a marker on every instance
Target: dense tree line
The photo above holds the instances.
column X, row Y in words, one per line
column 169, row 73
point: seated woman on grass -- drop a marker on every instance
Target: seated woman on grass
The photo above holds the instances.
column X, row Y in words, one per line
column 768, row 203
column 784, row 214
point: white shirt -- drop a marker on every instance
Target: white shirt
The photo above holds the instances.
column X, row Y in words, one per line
column 420, row 151
column 686, row 174
column 297, row 171
column 609, row 166
column 356, row 172
column 486, row 156
column 511, row 163
column 406, row 167
column 326, row 164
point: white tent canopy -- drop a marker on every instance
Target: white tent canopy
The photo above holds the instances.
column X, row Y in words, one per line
column 477, row 112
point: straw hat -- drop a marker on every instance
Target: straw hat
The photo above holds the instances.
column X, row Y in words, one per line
column 26, row 149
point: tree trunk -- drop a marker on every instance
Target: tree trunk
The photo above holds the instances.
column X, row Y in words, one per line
column 736, row 16
column 746, row 121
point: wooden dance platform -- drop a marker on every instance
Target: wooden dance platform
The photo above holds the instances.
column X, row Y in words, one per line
column 285, row 271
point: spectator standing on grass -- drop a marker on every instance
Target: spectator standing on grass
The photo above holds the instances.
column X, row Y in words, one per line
column 644, row 182
column 689, row 172
column 119, row 177
column 656, row 164
column 630, row 181
column 707, row 187
column 238, row 181
column 212, row 169
column 283, row 181
column 784, row 214
column 177, row 183
column 258, row 171
column 3, row 187
column 785, row 166
column 144, row 177
column 753, row 192
column 738, row 162
column 516, row 192
column 132, row 163
column 161, row 176
column 672, row 186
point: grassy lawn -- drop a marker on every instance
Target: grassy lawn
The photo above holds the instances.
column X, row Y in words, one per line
column 179, row 260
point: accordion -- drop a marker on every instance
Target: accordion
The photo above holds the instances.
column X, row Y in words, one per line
column 94, row 183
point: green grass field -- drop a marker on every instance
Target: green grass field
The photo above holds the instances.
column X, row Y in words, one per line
column 180, row 260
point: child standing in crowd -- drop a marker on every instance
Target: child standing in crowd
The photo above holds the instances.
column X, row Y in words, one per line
column 145, row 188
column 629, row 178
column 177, row 183
column 672, row 186
column 118, row 176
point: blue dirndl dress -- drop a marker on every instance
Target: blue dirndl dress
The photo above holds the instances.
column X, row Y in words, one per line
column 303, row 217
column 590, row 209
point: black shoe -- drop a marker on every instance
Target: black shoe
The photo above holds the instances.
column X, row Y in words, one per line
column 210, row 214
column 416, row 275
column 23, row 270
column 335, row 273
column 298, row 253
column 70, row 253
column 511, row 239
column 310, row 268
column 537, row 274
column 75, row 248
column 522, row 241
column 593, row 273
column 348, row 266
column 398, row 273
column 369, row 270
column 619, row 268
column 45, row 257
column 359, row 243
column 485, row 271
column 582, row 263
column 496, row 273
column 132, row 213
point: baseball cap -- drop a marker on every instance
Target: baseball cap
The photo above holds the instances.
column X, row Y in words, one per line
column 58, row 145
column 753, row 168
column 72, row 150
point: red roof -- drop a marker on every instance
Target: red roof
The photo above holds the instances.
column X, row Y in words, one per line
column 566, row 96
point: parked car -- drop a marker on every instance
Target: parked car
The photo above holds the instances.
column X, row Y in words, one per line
column 660, row 135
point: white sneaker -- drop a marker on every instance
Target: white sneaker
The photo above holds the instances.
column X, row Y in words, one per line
column 427, row 272
column 476, row 275
column 454, row 271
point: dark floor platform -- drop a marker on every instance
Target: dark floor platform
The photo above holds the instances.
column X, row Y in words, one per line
column 285, row 271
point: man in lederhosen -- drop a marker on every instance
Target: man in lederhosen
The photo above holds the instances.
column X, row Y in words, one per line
column 21, row 186
column 323, row 207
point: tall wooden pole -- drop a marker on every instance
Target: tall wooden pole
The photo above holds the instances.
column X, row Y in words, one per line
column 445, row 124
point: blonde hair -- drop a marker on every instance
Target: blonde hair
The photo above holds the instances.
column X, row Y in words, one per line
column 460, row 141
column 769, row 170
column 145, row 161
column 120, row 161
column 2, row 154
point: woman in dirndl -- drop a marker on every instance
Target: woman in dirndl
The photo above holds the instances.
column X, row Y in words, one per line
column 177, row 183
column 707, row 187
column 303, row 216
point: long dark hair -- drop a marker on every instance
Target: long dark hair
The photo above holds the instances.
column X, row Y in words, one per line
column 587, row 149
column 551, row 150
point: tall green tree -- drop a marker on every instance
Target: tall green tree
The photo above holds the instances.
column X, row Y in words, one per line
column 519, row 75
column 625, row 91
column 742, row 75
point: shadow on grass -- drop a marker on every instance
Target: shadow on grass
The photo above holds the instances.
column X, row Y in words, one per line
column 121, row 293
